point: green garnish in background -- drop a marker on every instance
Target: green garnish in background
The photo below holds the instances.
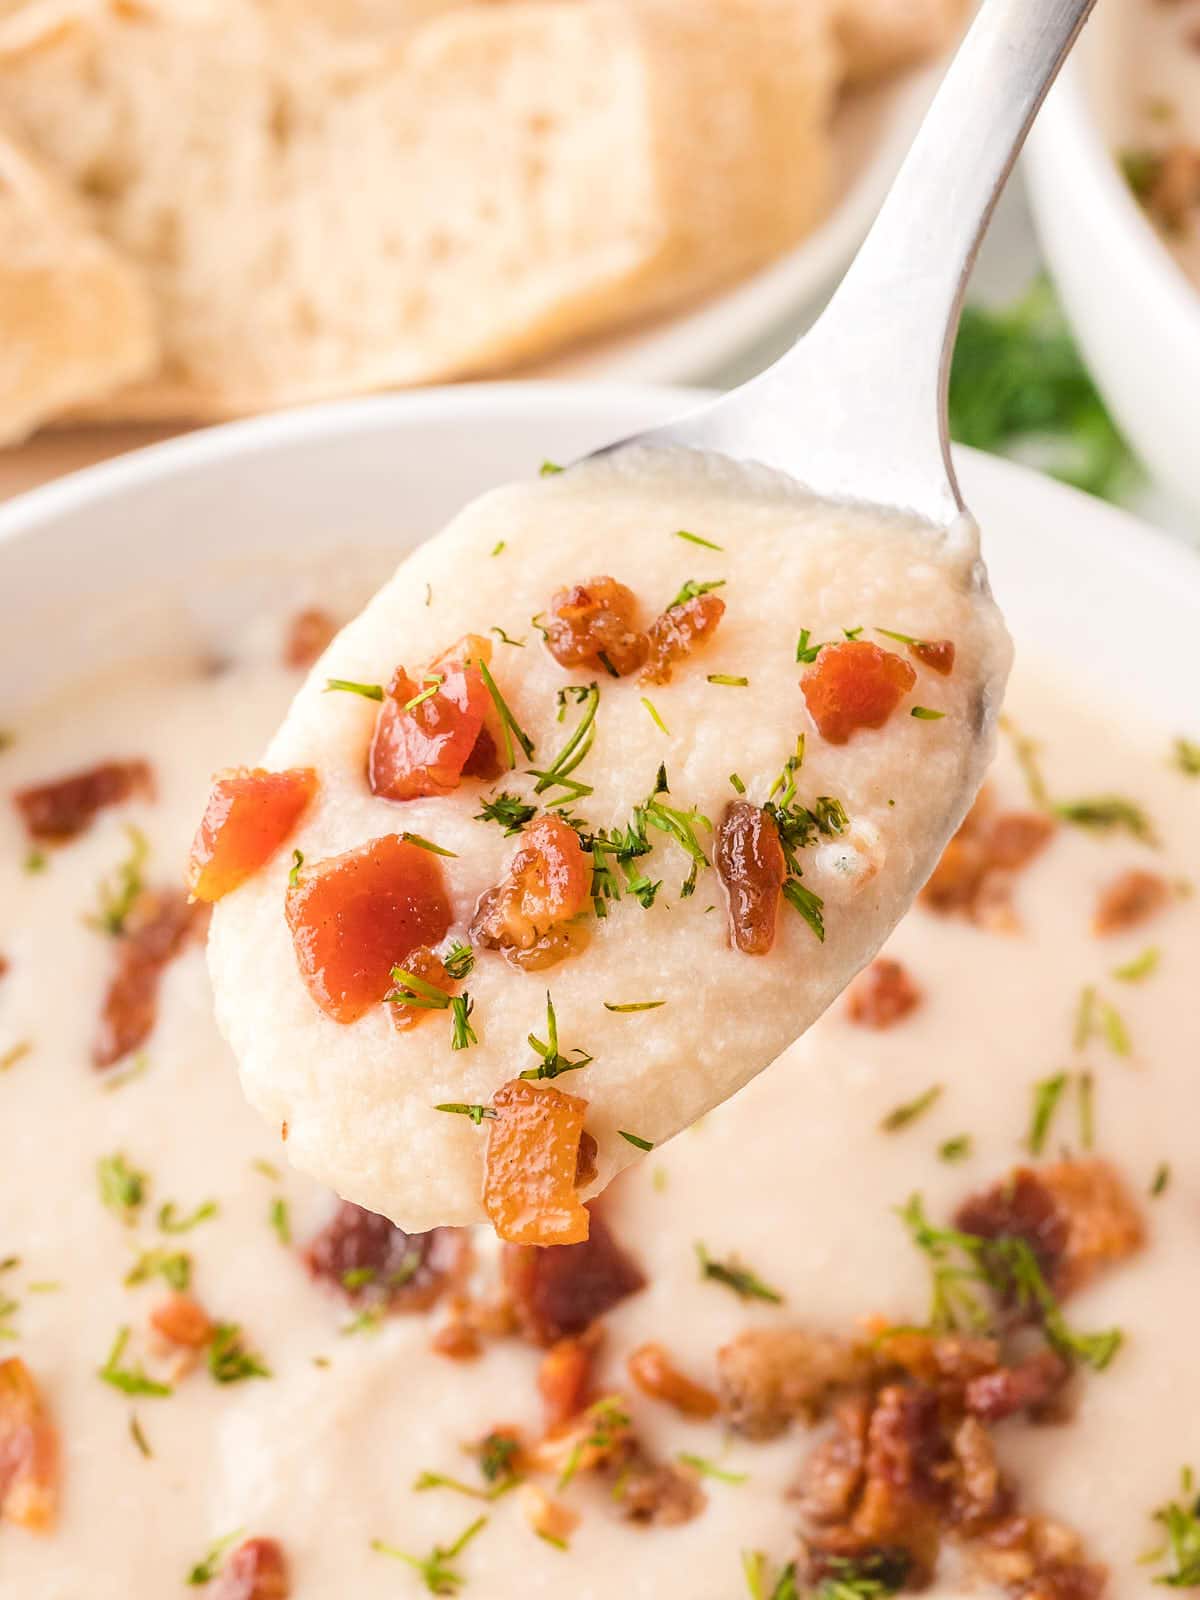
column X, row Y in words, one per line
column 1018, row 387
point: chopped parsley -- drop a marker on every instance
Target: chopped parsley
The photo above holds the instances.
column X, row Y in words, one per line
column 552, row 1064
column 294, row 869
column 498, row 546
column 280, row 1220
column 122, row 1187
column 117, row 895
column 956, row 1149
column 1185, row 756
column 634, row 1005
column 608, row 1418
column 427, row 844
column 728, row 680
column 170, row 1223
column 1095, row 1016
column 745, row 1283
column 173, row 1266
column 205, row 1571
column 508, row 810
column 497, row 1456
column 1140, row 967
column 558, row 774
column 548, row 469
column 132, row 1379
column 435, row 1569
column 1106, row 813
column 654, row 716
column 229, row 1361
column 369, row 691
column 459, row 962
column 636, row 1140
column 1160, row 1180
column 1180, row 1521
column 1046, row 1095
column 960, row 1263
column 694, row 538
column 691, row 590
column 678, row 825
column 709, row 1469
column 509, row 726
column 908, row 1113
column 807, row 653
column 504, row 638
column 460, row 1108
column 440, row 1480
column 924, row 714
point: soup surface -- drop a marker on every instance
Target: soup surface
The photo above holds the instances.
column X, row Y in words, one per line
column 298, row 1400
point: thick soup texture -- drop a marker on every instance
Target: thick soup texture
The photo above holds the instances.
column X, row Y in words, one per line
column 911, row 1311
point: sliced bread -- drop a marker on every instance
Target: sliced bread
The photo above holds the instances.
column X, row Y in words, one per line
column 75, row 319
column 320, row 211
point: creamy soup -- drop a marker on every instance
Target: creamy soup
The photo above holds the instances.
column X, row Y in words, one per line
column 745, row 645
column 1148, row 74
column 1040, row 993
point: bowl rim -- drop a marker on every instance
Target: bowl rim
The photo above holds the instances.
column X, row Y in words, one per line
column 1118, row 535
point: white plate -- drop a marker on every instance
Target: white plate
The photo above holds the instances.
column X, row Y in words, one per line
column 165, row 548
column 873, row 130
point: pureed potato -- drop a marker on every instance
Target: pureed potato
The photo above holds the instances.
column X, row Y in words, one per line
column 623, row 776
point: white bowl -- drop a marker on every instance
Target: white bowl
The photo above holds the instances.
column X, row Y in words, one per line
column 1136, row 314
column 169, row 548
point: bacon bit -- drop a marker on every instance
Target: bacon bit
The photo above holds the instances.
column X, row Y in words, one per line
column 656, row 1375
column 422, row 963
column 564, row 1377
column 548, row 1518
column 937, row 654
column 1015, row 838
column 591, row 625
column 831, row 1477
column 974, row 875
column 249, row 814
column 750, row 861
column 309, row 632
column 182, row 1321
column 424, row 749
column 1028, row 1387
column 979, row 1489
column 1130, row 900
column 159, row 927
column 854, row 685
column 882, row 996
column 561, row 1291
column 899, row 1505
column 257, row 1570
column 770, row 1376
column 599, row 1438
column 370, row 1259
column 940, row 1359
column 61, row 810
column 457, row 1340
column 1076, row 1216
column 354, row 916
column 1036, row 1559
column 678, row 631
column 29, row 1474
column 484, row 760
column 548, row 882
column 663, row 1495
column 529, row 1189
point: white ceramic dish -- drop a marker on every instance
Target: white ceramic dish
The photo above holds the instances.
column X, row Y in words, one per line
column 1136, row 314
column 164, row 548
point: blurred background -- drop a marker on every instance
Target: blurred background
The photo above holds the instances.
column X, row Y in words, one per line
column 213, row 208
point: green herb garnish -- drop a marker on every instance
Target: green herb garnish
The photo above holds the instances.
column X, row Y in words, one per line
column 908, row 1113
column 1185, row 755
column 508, row 810
column 692, row 590
column 1046, row 1095
column 634, row 1005
column 36, row 861
column 498, row 546
column 427, row 844
column 435, row 1569
column 504, row 638
column 462, row 1034
column 139, row 1438
column 956, row 1149
column 557, row 774
column 294, row 870
column 653, row 710
column 740, row 1279
column 460, row 961
column 132, row 1379
column 1160, row 1180
column 229, row 1361
column 280, row 1220
column 636, row 1140
column 552, row 1064
column 548, row 469
column 1106, row 813
column 1140, row 967
column 709, row 1469
column 117, row 895
column 1180, row 1521
column 205, row 1571
column 418, row 992
column 694, row 538
column 924, row 714
column 369, row 691
column 728, row 680
column 170, row 1223
column 509, row 726
column 460, row 1108
column 122, row 1187
column 497, row 1456
column 173, row 1266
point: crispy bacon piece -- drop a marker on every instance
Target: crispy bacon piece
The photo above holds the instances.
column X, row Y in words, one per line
column 424, row 742
column 564, row 1377
column 770, row 1376
column 1129, row 900
column 831, row 1476
column 257, row 1570
column 1030, row 1387
column 529, row 1170
column 750, row 861
column 974, row 875
column 591, row 625
column 944, row 1360
column 308, row 634
column 63, row 809
column 424, row 964
column 903, row 1478
column 678, row 631
column 182, row 1321
column 250, row 813
column 355, row 916
column 882, row 996
column 1036, row 1559
column 937, row 654
column 658, row 1493
column 655, row 1374
column 372, row 1261
column 561, row 1291
column 548, row 882
column 1076, row 1216
column 29, row 1471
column 160, row 926
column 980, row 1492
column 854, row 685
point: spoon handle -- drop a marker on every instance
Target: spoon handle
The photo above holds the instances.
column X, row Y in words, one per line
column 857, row 408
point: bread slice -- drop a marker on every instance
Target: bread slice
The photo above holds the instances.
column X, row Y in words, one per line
column 75, row 319
column 321, row 211
column 881, row 37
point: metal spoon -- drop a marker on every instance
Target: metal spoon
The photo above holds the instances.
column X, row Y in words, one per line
column 856, row 410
